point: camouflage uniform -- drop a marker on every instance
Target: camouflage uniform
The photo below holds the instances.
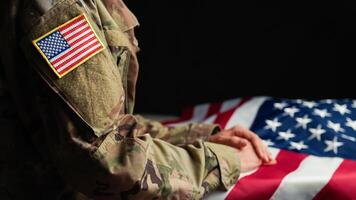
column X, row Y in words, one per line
column 78, row 133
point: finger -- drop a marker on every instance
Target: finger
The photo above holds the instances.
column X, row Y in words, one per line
column 242, row 132
column 267, row 150
column 232, row 141
column 258, row 147
column 237, row 142
column 254, row 139
column 271, row 162
column 269, row 153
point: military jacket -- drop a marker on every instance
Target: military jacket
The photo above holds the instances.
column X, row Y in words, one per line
column 79, row 130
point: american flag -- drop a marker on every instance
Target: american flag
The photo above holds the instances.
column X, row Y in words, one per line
column 69, row 45
column 314, row 143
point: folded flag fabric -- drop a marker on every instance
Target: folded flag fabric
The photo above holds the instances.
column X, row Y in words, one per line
column 314, row 143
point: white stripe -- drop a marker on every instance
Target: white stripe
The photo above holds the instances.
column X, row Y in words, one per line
column 246, row 114
column 73, row 26
column 72, row 47
column 79, row 36
column 76, row 31
column 227, row 105
column 199, row 114
column 79, row 57
column 210, row 120
column 348, row 137
column 305, row 182
column 201, row 111
column 74, row 53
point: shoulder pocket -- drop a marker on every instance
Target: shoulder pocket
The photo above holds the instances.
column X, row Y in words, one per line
column 94, row 89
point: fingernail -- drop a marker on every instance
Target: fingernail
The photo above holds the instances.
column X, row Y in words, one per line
column 271, row 162
column 270, row 157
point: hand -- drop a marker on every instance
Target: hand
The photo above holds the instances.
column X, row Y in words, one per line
column 248, row 158
column 238, row 137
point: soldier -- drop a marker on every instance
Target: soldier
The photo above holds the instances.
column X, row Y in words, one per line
column 69, row 133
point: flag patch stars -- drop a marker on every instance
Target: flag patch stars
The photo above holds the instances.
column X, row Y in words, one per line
column 69, row 45
column 53, row 45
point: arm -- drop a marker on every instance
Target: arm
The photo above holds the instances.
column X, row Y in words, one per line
column 101, row 150
column 179, row 135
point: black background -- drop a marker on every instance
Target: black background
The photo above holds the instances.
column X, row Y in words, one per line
column 195, row 51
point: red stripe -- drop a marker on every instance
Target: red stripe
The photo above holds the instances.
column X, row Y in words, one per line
column 343, row 183
column 71, row 23
column 75, row 35
column 75, row 55
column 90, row 34
column 187, row 114
column 82, row 52
column 214, row 108
column 224, row 117
column 263, row 183
column 75, row 48
column 78, row 26
column 78, row 61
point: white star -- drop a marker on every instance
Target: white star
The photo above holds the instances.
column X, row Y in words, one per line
column 309, row 104
column 350, row 123
column 328, row 101
column 332, row 145
column 322, row 113
column 298, row 145
column 342, row 109
column 335, row 126
column 354, row 104
column 268, row 142
column 280, row 106
column 316, row 133
column 303, row 122
column 291, row 111
column 299, row 101
column 273, row 124
column 285, row 135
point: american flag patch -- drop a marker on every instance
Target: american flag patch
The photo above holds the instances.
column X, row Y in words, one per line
column 69, row 45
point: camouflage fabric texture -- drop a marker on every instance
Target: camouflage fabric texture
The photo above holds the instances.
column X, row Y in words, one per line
column 76, row 137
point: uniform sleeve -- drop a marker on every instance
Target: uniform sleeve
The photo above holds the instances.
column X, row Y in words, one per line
column 100, row 149
column 186, row 134
column 128, row 165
